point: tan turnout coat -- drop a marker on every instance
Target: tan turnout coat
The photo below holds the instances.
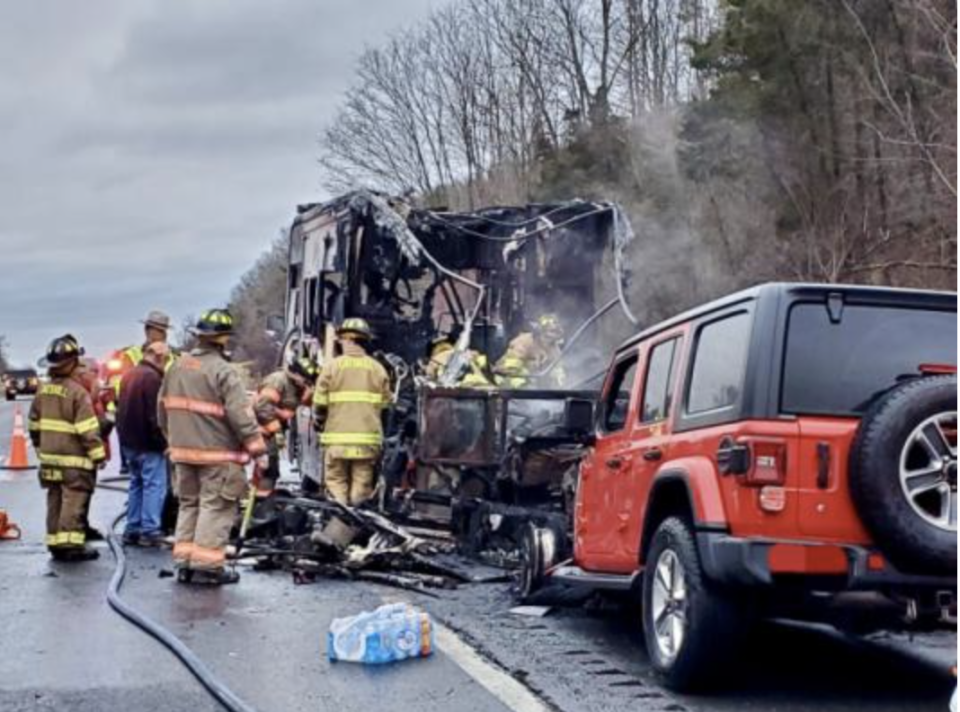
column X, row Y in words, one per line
column 205, row 412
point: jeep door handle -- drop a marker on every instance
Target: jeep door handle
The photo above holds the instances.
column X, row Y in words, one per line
column 615, row 463
column 653, row 454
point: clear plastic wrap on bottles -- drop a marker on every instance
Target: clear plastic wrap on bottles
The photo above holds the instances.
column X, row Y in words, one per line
column 395, row 631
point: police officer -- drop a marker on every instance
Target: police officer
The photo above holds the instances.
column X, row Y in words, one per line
column 66, row 434
column 209, row 424
column 279, row 396
column 351, row 392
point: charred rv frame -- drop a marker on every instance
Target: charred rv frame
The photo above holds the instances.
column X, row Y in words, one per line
column 480, row 278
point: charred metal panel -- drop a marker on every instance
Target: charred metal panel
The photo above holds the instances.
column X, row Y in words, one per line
column 459, row 427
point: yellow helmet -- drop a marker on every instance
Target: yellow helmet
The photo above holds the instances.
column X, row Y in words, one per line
column 355, row 327
column 549, row 326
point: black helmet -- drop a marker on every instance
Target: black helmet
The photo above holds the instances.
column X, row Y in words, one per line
column 306, row 368
column 214, row 322
column 61, row 351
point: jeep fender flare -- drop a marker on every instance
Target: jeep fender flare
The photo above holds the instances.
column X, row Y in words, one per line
column 699, row 479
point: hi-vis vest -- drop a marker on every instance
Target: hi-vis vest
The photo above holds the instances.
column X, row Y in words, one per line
column 131, row 357
column 351, row 391
column 64, row 428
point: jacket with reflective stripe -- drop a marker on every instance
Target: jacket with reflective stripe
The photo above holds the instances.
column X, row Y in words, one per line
column 277, row 401
column 204, row 411
column 525, row 356
column 351, row 392
column 64, row 427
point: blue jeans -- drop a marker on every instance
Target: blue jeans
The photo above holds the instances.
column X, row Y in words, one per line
column 147, row 493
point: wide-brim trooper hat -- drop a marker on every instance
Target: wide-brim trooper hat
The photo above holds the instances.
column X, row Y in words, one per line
column 158, row 320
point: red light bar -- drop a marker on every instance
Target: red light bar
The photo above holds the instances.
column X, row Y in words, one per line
column 937, row 369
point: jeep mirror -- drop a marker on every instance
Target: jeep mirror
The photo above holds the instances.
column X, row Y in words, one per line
column 275, row 326
column 578, row 419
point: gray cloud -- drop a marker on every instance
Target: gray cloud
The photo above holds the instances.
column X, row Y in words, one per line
column 150, row 150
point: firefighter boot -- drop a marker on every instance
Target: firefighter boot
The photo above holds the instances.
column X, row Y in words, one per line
column 215, row 577
column 79, row 553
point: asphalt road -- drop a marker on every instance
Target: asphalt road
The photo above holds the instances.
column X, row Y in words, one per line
column 62, row 648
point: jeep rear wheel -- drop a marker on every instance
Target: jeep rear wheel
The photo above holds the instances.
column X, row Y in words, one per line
column 903, row 474
column 691, row 627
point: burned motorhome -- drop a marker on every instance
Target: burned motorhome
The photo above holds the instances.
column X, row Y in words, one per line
column 478, row 279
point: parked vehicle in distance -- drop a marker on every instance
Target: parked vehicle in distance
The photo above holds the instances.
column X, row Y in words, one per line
column 788, row 451
column 20, row 382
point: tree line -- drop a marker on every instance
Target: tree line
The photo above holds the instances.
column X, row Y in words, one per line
column 748, row 140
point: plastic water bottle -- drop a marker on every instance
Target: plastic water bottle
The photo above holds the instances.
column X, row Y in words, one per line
column 392, row 632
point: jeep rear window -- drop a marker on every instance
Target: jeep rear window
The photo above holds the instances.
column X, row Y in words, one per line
column 838, row 369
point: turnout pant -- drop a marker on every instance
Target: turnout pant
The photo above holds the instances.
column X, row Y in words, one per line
column 269, row 476
column 68, row 498
column 349, row 481
column 209, row 502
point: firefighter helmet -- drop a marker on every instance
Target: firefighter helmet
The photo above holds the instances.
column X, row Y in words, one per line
column 213, row 322
column 441, row 344
column 355, row 327
column 305, row 368
column 62, row 351
column 549, row 326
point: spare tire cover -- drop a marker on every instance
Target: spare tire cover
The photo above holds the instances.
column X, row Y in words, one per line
column 903, row 474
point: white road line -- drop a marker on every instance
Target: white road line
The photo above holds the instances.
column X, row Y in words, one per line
column 498, row 683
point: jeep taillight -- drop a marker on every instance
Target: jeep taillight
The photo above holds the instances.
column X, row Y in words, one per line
column 768, row 461
column 755, row 461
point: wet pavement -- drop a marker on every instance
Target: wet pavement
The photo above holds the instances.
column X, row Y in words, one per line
column 64, row 649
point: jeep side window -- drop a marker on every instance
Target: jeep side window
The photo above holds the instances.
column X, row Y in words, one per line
column 616, row 403
column 719, row 364
column 656, row 388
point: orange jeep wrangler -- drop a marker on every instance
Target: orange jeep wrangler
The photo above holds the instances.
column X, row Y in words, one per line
column 787, row 451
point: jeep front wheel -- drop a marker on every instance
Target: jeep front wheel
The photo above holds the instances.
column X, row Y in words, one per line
column 690, row 626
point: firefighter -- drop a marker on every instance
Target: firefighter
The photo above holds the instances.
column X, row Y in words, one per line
column 88, row 374
column 531, row 352
column 441, row 351
column 351, row 392
column 475, row 373
column 277, row 400
column 478, row 372
column 66, row 435
column 212, row 433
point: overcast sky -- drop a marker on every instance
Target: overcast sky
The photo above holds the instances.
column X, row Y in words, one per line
column 151, row 149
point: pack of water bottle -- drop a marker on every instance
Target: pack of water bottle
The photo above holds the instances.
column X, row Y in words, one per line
column 395, row 631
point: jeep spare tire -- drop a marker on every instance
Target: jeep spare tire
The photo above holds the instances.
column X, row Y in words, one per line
column 903, row 474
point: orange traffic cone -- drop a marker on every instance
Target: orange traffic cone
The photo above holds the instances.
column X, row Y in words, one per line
column 17, row 459
column 8, row 530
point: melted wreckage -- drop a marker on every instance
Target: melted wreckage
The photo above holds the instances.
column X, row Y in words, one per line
column 463, row 469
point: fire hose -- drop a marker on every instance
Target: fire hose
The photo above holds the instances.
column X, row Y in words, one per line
column 217, row 689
